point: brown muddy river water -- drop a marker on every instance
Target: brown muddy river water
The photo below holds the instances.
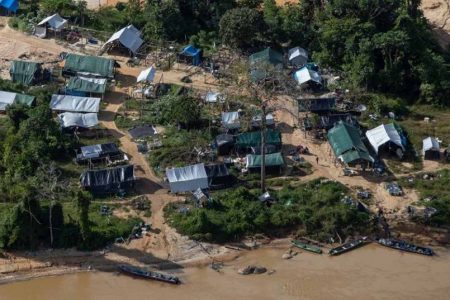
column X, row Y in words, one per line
column 371, row 272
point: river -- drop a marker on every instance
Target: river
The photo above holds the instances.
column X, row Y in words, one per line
column 371, row 272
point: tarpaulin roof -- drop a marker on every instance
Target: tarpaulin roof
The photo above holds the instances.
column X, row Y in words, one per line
column 75, row 104
column 87, row 85
column 253, row 139
column 11, row 5
column 346, row 143
column 69, row 119
column 8, row 98
column 213, row 97
column 55, row 22
column 430, row 143
column 316, row 104
column 272, row 160
column 142, row 131
column 266, row 56
column 382, row 134
column 129, row 37
column 298, row 56
column 256, row 120
column 327, row 122
column 190, row 50
column 187, row 179
column 94, row 151
column 147, row 75
column 305, row 75
column 230, row 120
column 89, row 65
column 223, row 139
column 107, row 177
column 24, row 99
column 218, row 170
column 24, row 72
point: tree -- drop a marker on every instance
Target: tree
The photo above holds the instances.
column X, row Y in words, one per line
column 17, row 113
column 83, row 201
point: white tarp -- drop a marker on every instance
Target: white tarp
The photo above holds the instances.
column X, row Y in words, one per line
column 214, row 97
column 69, row 119
column 430, row 143
column 129, row 37
column 7, row 97
column 147, row 75
column 92, row 151
column 55, row 22
column 298, row 56
column 256, row 120
column 230, row 120
column 305, row 75
column 187, row 179
column 382, row 134
column 75, row 104
column 40, row 32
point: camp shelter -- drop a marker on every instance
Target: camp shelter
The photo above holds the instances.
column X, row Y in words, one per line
column 307, row 76
column 431, row 148
column 214, row 97
column 10, row 5
column 224, row 144
column 386, row 137
column 80, row 84
column 25, row 72
column 273, row 161
column 63, row 103
column 128, row 37
column 345, row 140
column 187, row 179
column 230, row 120
column 74, row 120
column 108, row 181
column 328, row 121
column 253, row 139
column 142, row 131
column 89, row 66
column 147, row 75
column 298, row 56
column 257, row 122
column 264, row 57
column 8, row 98
column 316, row 105
column 98, row 152
column 268, row 149
column 447, row 153
column 218, row 176
column 190, row 55
column 54, row 22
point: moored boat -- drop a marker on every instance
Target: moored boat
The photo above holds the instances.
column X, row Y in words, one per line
column 348, row 246
column 405, row 246
column 306, row 247
column 135, row 271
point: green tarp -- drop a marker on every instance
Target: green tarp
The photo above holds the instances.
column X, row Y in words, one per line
column 346, row 143
column 25, row 72
column 87, row 85
column 272, row 160
column 257, row 60
column 24, row 99
column 89, row 65
column 253, row 139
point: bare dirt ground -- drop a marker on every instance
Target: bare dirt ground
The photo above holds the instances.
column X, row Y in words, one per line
column 438, row 14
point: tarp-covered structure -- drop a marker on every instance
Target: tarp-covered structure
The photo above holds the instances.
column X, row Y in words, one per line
column 431, row 148
column 147, row 75
column 260, row 59
column 253, row 139
column 214, row 97
column 8, row 98
column 385, row 136
column 55, row 22
column 62, row 103
column 142, row 131
column 71, row 120
column 328, row 121
column 129, row 37
column 306, row 75
column 187, row 179
column 99, row 151
column 190, row 55
column 86, row 85
column 298, row 56
column 224, row 143
column 316, row 105
column 108, row 181
column 256, row 121
column 10, row 5
column 345, row 140
column 218, row 176
column 91, row 66
column 25, row 72
column 272, row 161
column 230, row 120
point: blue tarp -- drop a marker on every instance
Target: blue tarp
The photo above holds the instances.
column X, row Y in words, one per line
column 11, row 5
column 194, row 53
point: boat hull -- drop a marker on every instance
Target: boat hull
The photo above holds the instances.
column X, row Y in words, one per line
column 347, row 247
column 405, row 247
column 136, row 272
column 306, row 247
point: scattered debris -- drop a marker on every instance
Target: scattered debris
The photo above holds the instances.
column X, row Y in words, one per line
column 394, row 189
column 252, row 270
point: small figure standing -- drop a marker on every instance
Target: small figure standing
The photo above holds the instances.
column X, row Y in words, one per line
column 317, row 159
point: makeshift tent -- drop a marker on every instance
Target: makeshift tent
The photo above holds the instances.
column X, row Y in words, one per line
column 328, row 122
column 99, row 151
column 218, row 175
column 142, row 131
column 347, row 145
column 256, row 121
column 54, row 22
column 86, row 85
column 10, row 5
column 259, row 59
column 224, row 144
column 75, row 104
column 190, row 55
column 129, row 37
column 316, row 105
column 214, row 97
column 431, row 148
column 447, row 153
column 253, row 139
column 147, row 75
column 69, row 119
column 25, row 72
column 305, row 75
column 8, row 98
column 91, row 66
column 274, row 161
column 385, row 136
column 298, row 56
column 108, row 181
column 268, row 149
column 40, row 32
column 187, row 179
column 230, row 120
